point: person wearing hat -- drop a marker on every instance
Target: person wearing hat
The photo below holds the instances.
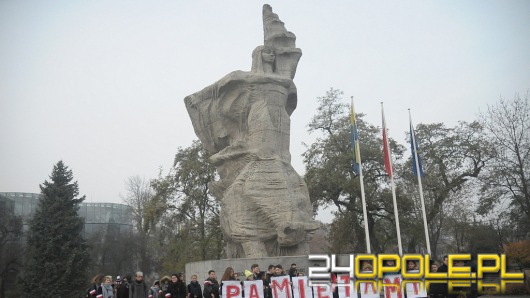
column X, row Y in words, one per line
column 155, row 291
column 138, row 288
column 117, row 282
column 123, row 290
column 249, row 275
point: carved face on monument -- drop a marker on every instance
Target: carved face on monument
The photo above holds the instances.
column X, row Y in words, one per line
column 263, row 60
column 244, row 120
column 268, row 55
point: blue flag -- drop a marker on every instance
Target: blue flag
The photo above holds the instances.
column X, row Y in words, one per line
column 415, row 153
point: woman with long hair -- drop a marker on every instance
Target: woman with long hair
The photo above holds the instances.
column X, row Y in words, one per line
column 95, row 285
column 228, row 275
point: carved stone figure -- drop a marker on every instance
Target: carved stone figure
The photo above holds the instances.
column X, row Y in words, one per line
column 244, row 120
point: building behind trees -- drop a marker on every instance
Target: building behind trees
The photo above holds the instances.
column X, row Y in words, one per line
column 108, row 229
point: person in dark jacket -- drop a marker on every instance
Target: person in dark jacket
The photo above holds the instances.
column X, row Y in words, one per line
column 139, row 288
column 211, row 286
column 95, row 285
column 194, row 288
column 439, row 290
column 123, row 289
column 177, row 288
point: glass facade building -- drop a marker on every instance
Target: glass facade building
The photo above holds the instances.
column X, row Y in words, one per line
column 98, row 216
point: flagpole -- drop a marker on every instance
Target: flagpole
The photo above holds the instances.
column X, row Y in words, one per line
column 418, row 171
column 363, row 199
column 387, row 153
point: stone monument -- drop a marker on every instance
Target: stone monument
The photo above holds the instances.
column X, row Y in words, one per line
column 244, row 121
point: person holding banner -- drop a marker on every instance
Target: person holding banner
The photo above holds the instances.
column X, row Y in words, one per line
column 249, row 275
column 270, row 272
column 279, row 270
column 93, row 290
column 211, row 286
column 412, row 266
column 366, row 266
column 266, row 284
column 255, row 270
column 228, row 275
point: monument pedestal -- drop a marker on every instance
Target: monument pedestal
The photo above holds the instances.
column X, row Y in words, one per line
column 201, row 268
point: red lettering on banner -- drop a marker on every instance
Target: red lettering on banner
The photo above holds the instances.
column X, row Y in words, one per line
column 253, row 292
column 346, row 280
column 392, row 289
column 321, row 291
column 301, row 288
column 232, row 291
column 366, row 284
column 283, row 286
column 416, row 290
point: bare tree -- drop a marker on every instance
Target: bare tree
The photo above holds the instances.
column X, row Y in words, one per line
column 147, row 210
column 508, row 182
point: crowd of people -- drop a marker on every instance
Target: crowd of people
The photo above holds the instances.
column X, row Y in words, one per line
column 175, row 287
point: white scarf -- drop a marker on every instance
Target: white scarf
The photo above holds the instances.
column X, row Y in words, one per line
column 107, row 291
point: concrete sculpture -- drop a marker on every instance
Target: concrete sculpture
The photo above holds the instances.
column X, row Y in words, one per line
column 244, row 120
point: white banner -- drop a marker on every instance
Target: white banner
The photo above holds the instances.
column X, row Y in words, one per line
column 415, row 290
column 281, row 287
column 253, row 289
column 300, row 288
column 368, row 289
column 393, row 291
column 324, row 291
column 346, row 286
column 232, row 289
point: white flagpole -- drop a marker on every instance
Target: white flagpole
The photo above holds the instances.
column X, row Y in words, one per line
column 398, row 230
column 418, row 172
column 363, row 199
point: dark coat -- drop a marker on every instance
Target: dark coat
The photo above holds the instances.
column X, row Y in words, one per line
column 194, row 290
column 123, row 290
column 94, row 287
column 438, row 290
column 211, row 286
column 138, row 290
column 177, row 289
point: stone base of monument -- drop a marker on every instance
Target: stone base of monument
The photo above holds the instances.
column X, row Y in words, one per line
column 201, row 268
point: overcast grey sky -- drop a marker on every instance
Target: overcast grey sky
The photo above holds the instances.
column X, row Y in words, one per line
column 100, row 84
